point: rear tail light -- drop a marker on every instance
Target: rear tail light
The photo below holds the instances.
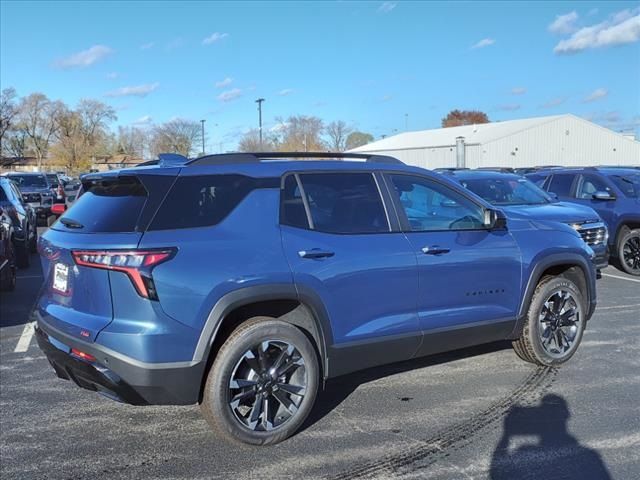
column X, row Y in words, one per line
column 84, row 356
column 137, row 264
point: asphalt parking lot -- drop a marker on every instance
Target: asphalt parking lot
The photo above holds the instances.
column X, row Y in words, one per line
column 478, row 413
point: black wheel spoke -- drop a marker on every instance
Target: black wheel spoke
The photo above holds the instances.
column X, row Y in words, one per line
column 561, row 311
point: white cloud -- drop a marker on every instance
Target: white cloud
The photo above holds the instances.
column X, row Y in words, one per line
column 147, row 46
column 564, row 23
column 597, row 94
column 621, row 28
column 554, row 102
column 113, row 75
column 286, row 91
column 387, row 7
column 134, row 91
column 509, row 107
column 214, row 37
column 278, row 127
column 229, row 95
column 485, row 42
column 84, row 58
column 145, row 120
column 518, row 91
column 224, row 83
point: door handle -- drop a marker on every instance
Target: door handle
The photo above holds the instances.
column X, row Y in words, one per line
column 435, row 250
column 315, row 253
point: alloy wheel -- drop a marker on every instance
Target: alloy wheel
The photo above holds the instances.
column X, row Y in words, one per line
column 559, row 323
column 267, row 385
column 631, row 253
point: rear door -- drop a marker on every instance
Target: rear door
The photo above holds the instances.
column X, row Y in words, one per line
column 343, row 247
column 111, row 215
column 468, row 275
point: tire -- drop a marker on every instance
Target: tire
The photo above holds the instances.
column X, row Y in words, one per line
column 33, row 243
column 23, row 257
column 628, row 251
column 244, row 421
column 553, row 299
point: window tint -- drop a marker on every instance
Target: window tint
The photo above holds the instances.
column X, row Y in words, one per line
column 109, row 206
column 3, row 195
column 30, row 180
column 507, row 191
column 629, row 184
column 200, row 201
column 292, row 207
column 344, row 203
column 561, row 184
column 53, row 180
column 591, row 184
column 430, row 206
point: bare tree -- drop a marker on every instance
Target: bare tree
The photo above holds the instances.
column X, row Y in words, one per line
column 338, row 132
column 176, row 136
column 8, row 112
column 37, row 118
column 300, row 133
column 132, row 141
column 95, row 117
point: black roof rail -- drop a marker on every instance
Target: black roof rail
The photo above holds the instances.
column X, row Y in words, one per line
column 225, row 158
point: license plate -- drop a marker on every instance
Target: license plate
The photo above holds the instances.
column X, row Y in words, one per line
column 60, row 277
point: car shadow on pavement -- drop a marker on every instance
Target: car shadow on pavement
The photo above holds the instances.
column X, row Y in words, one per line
column 16, row 307
column 338, row 389
column 535, row 444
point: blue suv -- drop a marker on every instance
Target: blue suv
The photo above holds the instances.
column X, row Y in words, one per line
column 613, row 192
column 518, row 197
column 242, row 281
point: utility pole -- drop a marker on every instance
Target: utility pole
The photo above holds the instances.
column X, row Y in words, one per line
column 202, row 122
column 259, row 102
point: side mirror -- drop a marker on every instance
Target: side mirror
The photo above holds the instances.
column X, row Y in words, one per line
column 58, row 208
column 494, row 220
column 602, row 195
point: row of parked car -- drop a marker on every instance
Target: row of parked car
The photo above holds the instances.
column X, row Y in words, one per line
column 600, row 203
column 27, row 200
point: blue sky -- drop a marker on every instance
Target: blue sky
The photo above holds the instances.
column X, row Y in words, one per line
column 368, row 63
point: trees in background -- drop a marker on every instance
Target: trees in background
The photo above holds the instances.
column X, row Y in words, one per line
column 358, row 139
column 176, row 136
column 456, row 118
column 8, row 112
column 337, row 133
column 37, row 120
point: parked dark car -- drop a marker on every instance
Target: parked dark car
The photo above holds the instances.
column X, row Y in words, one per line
column 23, row 219
column 613, row 192
column 243, row 281
column 518, row 197
column 7, row 253
column 36, row 191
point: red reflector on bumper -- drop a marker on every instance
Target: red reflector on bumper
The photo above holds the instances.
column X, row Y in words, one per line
column 82, row 355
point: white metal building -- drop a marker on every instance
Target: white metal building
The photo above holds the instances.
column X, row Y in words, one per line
column 557, row 140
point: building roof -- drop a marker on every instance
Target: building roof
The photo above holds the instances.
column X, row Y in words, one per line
column 446, row 137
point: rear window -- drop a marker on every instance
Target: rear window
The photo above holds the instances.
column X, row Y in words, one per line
column 200, row 201
column 53, row 180
column 108, row 207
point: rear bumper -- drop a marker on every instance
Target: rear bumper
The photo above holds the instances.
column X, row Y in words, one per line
column 118, row 377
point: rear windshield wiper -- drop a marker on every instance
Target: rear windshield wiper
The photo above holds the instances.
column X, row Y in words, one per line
column 68, row 222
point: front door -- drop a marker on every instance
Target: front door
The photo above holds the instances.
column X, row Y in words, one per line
column 469, row 275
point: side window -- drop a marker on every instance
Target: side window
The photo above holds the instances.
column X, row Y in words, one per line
column 430, row 206
column 200, row 201
column 292, row 211
column 561, row 183
column 17, row 193
column 590, row 184
column 3, row 195
column 341, row 203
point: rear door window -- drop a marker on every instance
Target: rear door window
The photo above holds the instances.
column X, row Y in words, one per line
column 345, row 203
column 590, row 184
column 108, row 207
column 561, row 184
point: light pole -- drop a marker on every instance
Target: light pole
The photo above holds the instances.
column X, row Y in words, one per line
column 202, row 122
column 259, row 102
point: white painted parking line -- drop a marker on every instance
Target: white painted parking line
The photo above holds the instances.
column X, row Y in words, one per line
column 619, row 306
column 620, row 278
column 25, row 338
